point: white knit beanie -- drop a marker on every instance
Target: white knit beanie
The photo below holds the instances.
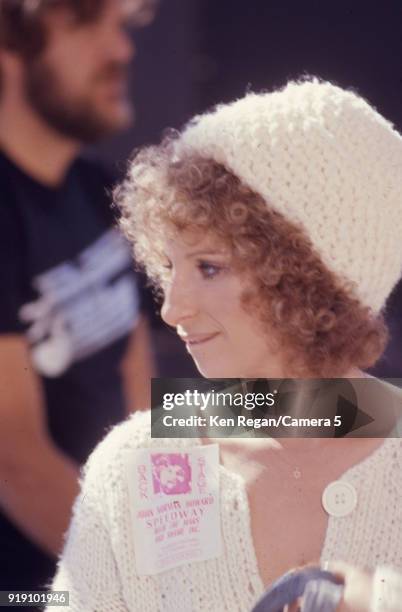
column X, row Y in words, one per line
column 325, row 159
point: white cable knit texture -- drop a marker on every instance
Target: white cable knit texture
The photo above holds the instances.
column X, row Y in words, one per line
column 98, row 568
column 326, row 160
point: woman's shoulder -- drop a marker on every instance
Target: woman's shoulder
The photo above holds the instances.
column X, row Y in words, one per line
column 132, row 433
column 107, row 460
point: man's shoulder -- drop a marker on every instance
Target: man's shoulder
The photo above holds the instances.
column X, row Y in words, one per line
column 97, row 172
column 98, row 181
column 7, row 180
column 10, row 221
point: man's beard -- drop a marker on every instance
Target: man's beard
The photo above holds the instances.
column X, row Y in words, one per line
column 76, row 119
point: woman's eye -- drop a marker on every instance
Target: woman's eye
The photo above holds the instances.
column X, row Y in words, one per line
column 209, row 270
column 165, row 267
column 164, row 275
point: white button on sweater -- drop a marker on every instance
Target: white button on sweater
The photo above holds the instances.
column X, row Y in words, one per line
column 98, row 568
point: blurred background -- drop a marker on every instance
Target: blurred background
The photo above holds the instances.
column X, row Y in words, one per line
column 197, row 53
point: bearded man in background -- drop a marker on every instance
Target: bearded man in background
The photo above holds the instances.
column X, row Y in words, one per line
column 75, row 354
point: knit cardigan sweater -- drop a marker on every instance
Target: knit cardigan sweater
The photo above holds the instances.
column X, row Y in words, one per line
column 98, row 568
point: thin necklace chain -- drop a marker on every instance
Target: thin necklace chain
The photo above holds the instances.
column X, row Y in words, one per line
column 295, row 467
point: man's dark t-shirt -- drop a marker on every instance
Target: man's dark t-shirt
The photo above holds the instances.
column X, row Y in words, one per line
column 67, row 284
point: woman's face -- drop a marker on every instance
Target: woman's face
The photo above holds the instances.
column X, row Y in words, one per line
column 203, row 302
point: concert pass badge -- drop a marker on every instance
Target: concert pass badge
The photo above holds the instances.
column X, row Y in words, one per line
column 174, row 505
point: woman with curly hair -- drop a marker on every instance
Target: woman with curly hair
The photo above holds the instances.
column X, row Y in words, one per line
column 271, row 229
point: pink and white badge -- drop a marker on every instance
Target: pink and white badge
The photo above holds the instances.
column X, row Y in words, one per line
column 174, row 502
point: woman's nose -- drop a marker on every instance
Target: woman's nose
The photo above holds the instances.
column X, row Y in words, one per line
column 179, row 303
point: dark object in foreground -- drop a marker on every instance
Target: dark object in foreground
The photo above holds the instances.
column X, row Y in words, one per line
column 320, row 590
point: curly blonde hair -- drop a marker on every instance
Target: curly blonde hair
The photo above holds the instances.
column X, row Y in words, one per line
column 321, row 327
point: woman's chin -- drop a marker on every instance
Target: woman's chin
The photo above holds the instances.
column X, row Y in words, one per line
column 212, row 370
column 219, row 370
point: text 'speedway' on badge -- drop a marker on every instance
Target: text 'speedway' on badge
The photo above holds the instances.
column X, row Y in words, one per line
column 174, row 499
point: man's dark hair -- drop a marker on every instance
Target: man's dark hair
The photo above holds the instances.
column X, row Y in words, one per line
column 21, row 21
column 22, row 28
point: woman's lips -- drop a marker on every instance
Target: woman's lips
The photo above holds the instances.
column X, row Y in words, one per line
column 192, row 341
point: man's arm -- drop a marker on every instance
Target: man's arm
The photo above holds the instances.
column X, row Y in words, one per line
column 38, row 482
column 138, row 367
